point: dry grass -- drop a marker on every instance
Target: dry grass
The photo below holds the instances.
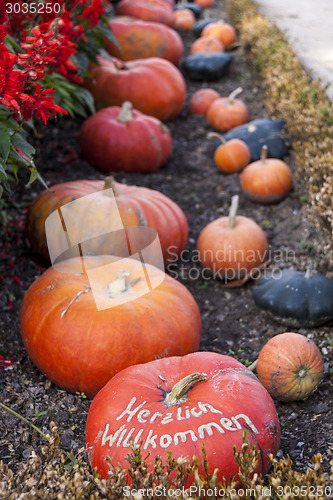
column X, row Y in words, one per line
column 298, row 99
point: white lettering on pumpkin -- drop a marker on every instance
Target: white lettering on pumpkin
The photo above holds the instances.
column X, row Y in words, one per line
column 209, row 429
column 182, row 436
column 129, row 410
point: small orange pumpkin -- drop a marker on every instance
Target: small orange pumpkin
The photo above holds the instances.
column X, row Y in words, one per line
column 222, row 31
column 267, row 180
column 206, row 44
column 290, row 367
column 228, row 112
column 231, row 156
column 205, row 3
column 201, row 100
column 233, row 247
column 183, row 19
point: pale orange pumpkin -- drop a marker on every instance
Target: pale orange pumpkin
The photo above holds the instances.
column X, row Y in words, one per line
column 206, row 44
column 201, row 100
column 233, row 247
column 222, row 31
column 290, row 367
column 231, row 156
column 228, row 112
column 183, row 19
column 267, row 180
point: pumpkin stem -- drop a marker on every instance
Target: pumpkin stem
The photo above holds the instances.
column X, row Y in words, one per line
column 253, row 365
column 308, row 273
column 125, row 113
column 215, row 135
column 233, row 211
column 178, row 394
column 235, row 93
column 120, row 284
column 264, row 150
column 302, row 373
column 110, row 183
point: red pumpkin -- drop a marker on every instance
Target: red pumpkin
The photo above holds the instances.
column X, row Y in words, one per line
column 79, row 347
column 140, row 39
column 174, row 405
column 183, row 19
column 201, row 100
column 205, row 3
column 157, row 11
column 228, row 112
column 116, row 139
column 222, row 31
column 290, row 367
column 154, row 86
column 231, row 156
column 206, row 44
column 138, row 206
column 267, row 180
column 232, row 247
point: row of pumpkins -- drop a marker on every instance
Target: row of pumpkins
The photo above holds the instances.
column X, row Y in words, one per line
column 139, row 358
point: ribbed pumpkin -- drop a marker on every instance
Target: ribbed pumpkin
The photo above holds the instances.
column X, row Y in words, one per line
column 154, row 86
column 157, row 11
column 177, row 404
column 138, row 206
column 232, row 247
column 201, row 100
column 139, row 39
column 228, row 112
column 222, row 31
column 124, row 139
column 79, row 346
column 183, row 19
column 290, row 367
column 267, row 180
column 206, row 44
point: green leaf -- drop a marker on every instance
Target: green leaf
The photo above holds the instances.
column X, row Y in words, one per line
column 12, row 44
column 41, row 180
column 3, row 168
column 22, row 144
column 109, row 34
column 33, row 175
column 14, row 168
column 14, row 155
column 4, row 141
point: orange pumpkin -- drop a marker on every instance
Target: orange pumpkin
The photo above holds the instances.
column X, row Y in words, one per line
column 233, row 247
column 206, row 44
column 81, row 324
column 267, row 180
column 157, row 11
column 154, row 86
column 290, row 367
column 231, row 156
column 205, row 3
column 222, row 31
column 138, row 206
column 228, row 112
column 139, row 39
column 201, row 100
column 183, row 19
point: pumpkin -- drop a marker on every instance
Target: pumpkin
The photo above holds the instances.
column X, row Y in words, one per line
column 295, row 298
column 290, row 367
column 231, row 156
column 154, row 86
column 176, row 404
column 267, row 180
column 233, row 247
column 258, row 133
column 124, row 139
column 199, row 26
column 183, row 19
column 222, row 31
column 81, row 324
column 201, row 100
column 151, row 10
column 138, row 39
column 205, row 3
column 195, row 8
column 138, row 206
column 206, row 44
column 207, row 66
column 228, row 112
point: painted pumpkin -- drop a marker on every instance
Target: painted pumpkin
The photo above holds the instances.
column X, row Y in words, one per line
column 267, row 180
column 81, row 324
column 231, row 156
column 138, row 206
column 295, row 298
column 290, row 367
column 222, row 31
column 153, row 85
column 228, row 112
column 232, row 247
column 183, row 19
column 201, row 100
column 174, row 405
column 206, row 44
column 124, row 139
column 151, row 10
column 141, row 39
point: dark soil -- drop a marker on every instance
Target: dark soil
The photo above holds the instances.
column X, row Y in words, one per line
column 232, row 324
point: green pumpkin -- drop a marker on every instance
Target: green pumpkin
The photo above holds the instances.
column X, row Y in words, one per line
column 207, row 66
column 295, row 298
